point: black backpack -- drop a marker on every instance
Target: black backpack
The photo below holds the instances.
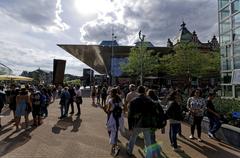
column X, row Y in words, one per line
column 117, row 111
column 159, row 116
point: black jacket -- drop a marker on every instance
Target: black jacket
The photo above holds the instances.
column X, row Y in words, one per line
column 140, row 113
column 174, row 111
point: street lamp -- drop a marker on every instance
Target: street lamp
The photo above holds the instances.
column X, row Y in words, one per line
column 113, row 38
column 141, row 37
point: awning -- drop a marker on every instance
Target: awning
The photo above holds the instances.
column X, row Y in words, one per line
column 14, row 78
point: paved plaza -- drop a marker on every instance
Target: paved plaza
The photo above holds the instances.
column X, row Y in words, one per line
column 86, row 137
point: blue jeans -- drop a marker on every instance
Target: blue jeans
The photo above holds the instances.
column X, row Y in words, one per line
column 214, row 124
column 133, row 138
column 174, row 129
column 64, row 108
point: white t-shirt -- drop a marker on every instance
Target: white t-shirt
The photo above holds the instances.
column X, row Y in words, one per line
column 78, row 92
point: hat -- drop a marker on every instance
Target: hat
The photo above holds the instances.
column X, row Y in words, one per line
column 22, row 86
column 131, row 86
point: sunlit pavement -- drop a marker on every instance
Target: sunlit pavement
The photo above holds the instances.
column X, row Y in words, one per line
column 86, row 137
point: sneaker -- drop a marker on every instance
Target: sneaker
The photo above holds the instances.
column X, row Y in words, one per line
column 112, row 151
column 199, row 139
column 210, row 135
column 116, row 151
column 191, row 137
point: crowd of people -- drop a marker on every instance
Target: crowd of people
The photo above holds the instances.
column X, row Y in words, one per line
column 140, row 104
column 25, row 99
column 144, row 110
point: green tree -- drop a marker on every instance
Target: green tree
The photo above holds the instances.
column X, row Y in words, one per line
column 149, row 59
column 188, row 61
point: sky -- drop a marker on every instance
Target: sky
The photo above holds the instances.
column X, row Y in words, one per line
column 31, row 29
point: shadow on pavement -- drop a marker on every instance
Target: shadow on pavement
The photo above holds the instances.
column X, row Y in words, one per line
column 76, row 124
column 5, row 130
column 210, row 150
column 63, row 124
column 10, row 143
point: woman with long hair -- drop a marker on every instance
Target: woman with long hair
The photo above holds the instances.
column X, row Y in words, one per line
column 115, row 120
column 174, row 115
column 196, row 105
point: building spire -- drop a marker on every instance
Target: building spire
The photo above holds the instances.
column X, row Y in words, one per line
column 183, row 25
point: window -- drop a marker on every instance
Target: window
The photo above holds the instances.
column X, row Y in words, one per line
column 222, row 3
column 236, row 34
column 225, row 26
column 226, row 77
column 236, row 48
column 225, row 51
column 225, row 38
column 226, row 63
column 237, row 62
column 235, row 6
column 237, row 91
column 236, row 20
column 224, row 13
column 227, row 91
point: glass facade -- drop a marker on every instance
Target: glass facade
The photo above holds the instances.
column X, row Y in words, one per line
column 229, row 35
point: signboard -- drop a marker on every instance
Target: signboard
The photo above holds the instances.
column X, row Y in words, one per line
column 236, row 77
column 58, row 71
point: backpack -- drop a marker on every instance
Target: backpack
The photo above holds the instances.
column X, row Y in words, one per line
column 159, row 116
column 117, row 111
column 153, row 151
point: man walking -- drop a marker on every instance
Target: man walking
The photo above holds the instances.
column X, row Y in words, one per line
column 130, row 96
column 64, row 102
column 213, row 116
column 139, row 119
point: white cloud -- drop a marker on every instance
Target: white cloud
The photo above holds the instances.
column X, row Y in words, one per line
column 30, row 29
column 158, row 20
column 41, row 15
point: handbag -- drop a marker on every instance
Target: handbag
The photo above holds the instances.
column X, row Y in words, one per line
column 79, row 100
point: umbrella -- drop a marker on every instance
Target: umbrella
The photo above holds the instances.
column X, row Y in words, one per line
column 15, row 78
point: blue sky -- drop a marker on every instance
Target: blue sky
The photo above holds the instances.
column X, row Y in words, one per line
column 30, row 29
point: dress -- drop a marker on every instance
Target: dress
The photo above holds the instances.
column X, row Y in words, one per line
column 112, row 123
column 21, row 108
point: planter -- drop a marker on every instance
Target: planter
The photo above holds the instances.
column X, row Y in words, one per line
column 227, row 133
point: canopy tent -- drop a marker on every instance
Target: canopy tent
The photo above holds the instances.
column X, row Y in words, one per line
column 14, row 78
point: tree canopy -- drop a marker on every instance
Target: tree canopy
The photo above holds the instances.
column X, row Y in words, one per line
column 189, row 61
column 138, row 55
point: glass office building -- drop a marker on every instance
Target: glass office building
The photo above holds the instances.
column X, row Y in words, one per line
column 229, row 37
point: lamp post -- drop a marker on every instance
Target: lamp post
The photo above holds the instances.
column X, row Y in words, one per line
column 113, row 38
column 141, row 37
